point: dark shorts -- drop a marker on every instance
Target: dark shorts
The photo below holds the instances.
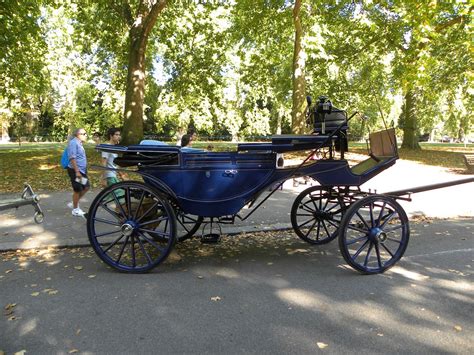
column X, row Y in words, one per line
column 77, row 187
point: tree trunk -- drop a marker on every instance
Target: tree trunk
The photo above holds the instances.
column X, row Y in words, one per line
column 410, row 127
column 140, row 28
column 298, row 124
column 135, row 94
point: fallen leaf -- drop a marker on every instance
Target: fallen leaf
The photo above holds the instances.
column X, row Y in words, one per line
column 78, row 332
column 10, row 306
column 12, row 318
column 200, row 277
column 322, row 345
column 73, row 351
column 34, row 294
column 457, row 328
column 78, row 267
column 91, row 276
column 21, row 352
column 8, row 271
column 215, row 299
column 380, row 334
column 53, row 292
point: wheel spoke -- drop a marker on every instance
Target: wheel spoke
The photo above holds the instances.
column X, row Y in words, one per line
column 389, row 218
column 140, row 243
column 366, row 261
column 147, row 212
column 381, row 212
column 135, row 215
column 326, row 229
column 311, row 228
column 394, row 240
column 113, row 213
column 121, row 250
column 305, row 223
column 149, row 231
column 151, row 242
column 333, row 207
column 314, row 203
column 359, row 250
column 326, row 204
column 392, row 229
column 357, row 229
column 113, row 244
column 371, row 209
column 363, row 220
column 128, row 202
column 153, row 221
column 318, row 231
column 377, row 252
column 119, row 204
column 106, row 221
column 134, row 258
column 304, row 215
column 388, row 251
column 356, row 240
column 107, row 233
column 335, row 223
column 307, row 208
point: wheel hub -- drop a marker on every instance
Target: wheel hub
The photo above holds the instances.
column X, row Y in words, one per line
column 377, row 235
column 127, row 229
column 322, row 216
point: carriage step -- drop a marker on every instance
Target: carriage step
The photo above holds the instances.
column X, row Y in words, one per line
column 211, row 238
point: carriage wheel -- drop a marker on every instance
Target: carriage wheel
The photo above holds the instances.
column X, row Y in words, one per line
column 316, row 214
column 131, row 226
column 187, row 225
column 374, row 234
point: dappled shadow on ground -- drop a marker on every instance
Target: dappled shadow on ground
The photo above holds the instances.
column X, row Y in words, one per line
column 252, row 293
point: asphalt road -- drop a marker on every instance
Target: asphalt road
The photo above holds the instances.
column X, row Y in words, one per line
column 265, row 293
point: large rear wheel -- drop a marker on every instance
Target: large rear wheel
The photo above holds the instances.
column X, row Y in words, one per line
column 131, row 226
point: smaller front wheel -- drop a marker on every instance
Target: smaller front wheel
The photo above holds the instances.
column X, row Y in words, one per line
column 316, row 214
column 374, row 234
column 131, row 226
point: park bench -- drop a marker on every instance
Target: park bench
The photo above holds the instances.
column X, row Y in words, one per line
column 469, row 160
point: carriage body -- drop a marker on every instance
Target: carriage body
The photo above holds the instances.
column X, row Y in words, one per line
column 214, row 184
column 192, row 186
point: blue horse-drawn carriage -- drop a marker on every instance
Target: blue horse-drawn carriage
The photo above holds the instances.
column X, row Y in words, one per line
column 133, row 225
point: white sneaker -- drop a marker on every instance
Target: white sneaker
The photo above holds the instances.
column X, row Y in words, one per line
column 78, row 212
column 70, row 205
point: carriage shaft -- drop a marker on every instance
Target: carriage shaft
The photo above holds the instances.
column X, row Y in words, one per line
column 428, row 187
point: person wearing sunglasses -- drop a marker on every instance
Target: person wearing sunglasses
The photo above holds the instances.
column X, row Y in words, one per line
column 77, row 170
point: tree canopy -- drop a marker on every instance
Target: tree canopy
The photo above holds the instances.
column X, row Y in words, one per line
column 234, row 69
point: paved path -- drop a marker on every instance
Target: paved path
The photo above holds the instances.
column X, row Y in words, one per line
column 250, row 294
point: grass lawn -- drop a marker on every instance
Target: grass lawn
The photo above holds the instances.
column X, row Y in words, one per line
column 38, row 163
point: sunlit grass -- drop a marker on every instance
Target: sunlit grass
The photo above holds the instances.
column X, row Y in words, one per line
column 39, row 163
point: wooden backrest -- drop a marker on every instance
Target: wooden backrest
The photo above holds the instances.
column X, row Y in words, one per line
column 383, row 143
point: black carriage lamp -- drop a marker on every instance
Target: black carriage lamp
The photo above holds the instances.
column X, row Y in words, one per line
column 323, row 108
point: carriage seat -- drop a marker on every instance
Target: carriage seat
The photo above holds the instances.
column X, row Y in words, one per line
column 331, row 120
column 382, row 150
